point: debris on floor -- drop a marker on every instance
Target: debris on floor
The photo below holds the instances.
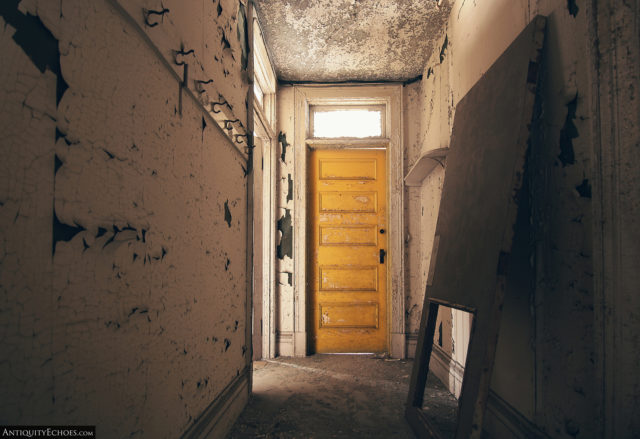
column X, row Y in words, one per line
column 328, row 396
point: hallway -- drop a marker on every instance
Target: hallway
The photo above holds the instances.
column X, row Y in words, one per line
column 333, row 396
column 189, row 208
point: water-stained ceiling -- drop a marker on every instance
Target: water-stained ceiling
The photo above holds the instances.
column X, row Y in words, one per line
column 351, row 40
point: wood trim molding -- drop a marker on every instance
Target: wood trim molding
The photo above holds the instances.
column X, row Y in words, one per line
column 218, row 418
column 512, row 422
column 284, row 344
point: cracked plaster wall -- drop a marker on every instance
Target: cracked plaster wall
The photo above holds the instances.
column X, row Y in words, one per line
column 363, row 40
column 549, row 361
column 123, row 285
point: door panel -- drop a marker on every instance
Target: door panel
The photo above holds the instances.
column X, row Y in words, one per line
column 347, row 224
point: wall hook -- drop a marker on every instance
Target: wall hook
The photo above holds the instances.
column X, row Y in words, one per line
column 228, row 124
column 238, row 139
column 224, row 102
column 199, row 85
column 149, row 12
column 181, row 52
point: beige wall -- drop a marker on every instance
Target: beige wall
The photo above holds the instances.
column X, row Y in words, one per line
column 559, row 348
column 136, row 320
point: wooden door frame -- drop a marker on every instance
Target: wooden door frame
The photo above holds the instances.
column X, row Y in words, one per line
column 389, row 95
column 265, row 307
column 262, row 120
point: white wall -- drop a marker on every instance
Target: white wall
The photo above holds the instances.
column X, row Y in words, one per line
column 135, row 322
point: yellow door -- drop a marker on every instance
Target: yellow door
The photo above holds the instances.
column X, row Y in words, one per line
column 347, row 257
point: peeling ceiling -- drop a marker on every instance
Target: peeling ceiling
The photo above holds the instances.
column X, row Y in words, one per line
column 351, row 40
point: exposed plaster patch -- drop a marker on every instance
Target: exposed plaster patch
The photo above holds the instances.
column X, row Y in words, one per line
column 584, row 189
column 285, row 247
column 63, row 232
column 573, row 7
column 282, row 138
column 290, row 188
column 243, row 33
column 568, row 132
column 36, row 40
column 227, row 213
column 443, row 49
column 56, row 163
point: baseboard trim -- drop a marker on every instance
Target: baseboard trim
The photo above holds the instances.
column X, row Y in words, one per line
column 410, row 344
column 448, row 370
column 218, row 418
column 284, row 344
column 398, row 348
column 503, row 420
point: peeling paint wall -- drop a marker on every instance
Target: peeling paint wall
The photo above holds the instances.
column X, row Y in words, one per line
column 550, row 367
column 285, row 300
column 122, row 215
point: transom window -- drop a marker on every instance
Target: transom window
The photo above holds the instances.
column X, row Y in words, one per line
column 346, row 121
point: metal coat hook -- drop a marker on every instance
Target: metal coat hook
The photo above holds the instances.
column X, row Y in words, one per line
column 228, row 124
column 237, row 138
column 183, row 53
column 149, row 12
column 213, row 106
column 201, row 83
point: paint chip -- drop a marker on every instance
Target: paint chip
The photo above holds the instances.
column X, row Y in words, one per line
column 584, row 189
column 227, row 213
column 567, row 134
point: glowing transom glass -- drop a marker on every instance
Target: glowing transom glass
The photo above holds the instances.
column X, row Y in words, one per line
column 347, row 123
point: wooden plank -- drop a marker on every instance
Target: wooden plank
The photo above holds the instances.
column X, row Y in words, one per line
column 475, row 222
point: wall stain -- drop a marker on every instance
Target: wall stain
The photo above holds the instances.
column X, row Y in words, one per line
column 285, row 247
column 37, row 42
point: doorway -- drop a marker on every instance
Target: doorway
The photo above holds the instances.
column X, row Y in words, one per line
column 347, row 251
column 311, row 105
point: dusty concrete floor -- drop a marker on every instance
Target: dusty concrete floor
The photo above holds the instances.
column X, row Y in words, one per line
column 331, row 396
